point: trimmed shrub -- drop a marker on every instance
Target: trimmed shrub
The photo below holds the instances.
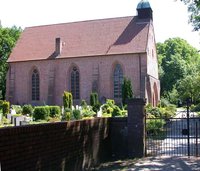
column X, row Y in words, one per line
column 96, row 107
column 94, row 102
column 54, row 111
column 94, row 99
column 41, row 113
column 6, row 107
column 127, row 92
column 67, row 100
column 67, row 115
column 17, row 108
column 77, row 114
column 70, row 100
column 27, row 109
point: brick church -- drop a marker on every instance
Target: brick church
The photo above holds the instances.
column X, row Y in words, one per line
column 82, row 57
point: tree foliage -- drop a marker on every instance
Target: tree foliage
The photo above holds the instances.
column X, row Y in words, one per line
column 189, row 87
column 194, row 12
column 179, row 63
column 67, row 100
column 8, row 38
column 127, row 92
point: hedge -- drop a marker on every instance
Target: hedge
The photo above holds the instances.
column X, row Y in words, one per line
column 41, row 113
column 54, row 111
column 27, row 109
column 6, row 107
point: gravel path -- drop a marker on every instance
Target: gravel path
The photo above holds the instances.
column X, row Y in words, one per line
column 153, row 164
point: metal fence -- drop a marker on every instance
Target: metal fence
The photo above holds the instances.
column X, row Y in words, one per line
column 179, row 136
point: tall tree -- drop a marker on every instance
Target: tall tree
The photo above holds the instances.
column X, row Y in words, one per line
column 8, row 38
column 194, row 12
column 189, row 87
column 177, row 59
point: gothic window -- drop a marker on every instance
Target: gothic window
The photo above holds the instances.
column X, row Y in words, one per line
column 118, row 80
column 75, row 90
column 35, row 85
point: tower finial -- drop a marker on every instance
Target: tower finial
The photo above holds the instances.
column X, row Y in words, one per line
column 144, row 10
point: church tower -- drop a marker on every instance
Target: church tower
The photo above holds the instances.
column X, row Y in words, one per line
column 144, row 10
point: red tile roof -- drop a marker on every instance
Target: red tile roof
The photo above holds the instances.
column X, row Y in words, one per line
column 87, row 38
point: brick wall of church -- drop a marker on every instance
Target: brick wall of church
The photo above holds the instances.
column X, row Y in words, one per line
column 153, row 82
column 56, row 73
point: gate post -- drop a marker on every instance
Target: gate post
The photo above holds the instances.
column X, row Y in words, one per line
column 136, row 127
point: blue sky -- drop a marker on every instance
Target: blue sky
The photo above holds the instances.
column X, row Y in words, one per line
column 170, row 16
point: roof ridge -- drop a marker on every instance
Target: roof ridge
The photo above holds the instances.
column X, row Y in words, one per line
column 74, row 22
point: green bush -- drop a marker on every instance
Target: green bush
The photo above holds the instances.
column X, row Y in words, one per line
column 83, row 104
column 110, row 102
column 27, row 109
column 6, row 107
column 109, row 110
column 154, row 111
column 67, row 100
column 1, row 103
column 88, row 113
column 161, row 112
column 154, row 126
column 17, row 108
column 150, row 116
column 196, row 108
column 94, row 102
column 77, row 114
column 127, row 92
column 163, row 102
column 104, row 108
column 94, row 99
column 192, row 107
column 116, row 112
column 5, row 121
column 67, row 115
column 96, row 107
column 41, row 113
column 108, row 107
column 54, row 111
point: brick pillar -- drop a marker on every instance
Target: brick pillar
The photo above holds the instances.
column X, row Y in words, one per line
column 136, row 128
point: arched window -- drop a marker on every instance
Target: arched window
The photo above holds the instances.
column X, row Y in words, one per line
column 75, row 83
column 35, row 85
column 118, row 80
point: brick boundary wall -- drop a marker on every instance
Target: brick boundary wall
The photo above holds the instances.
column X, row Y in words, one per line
column 56, row 146
column 75, row 145
column 119, row 137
